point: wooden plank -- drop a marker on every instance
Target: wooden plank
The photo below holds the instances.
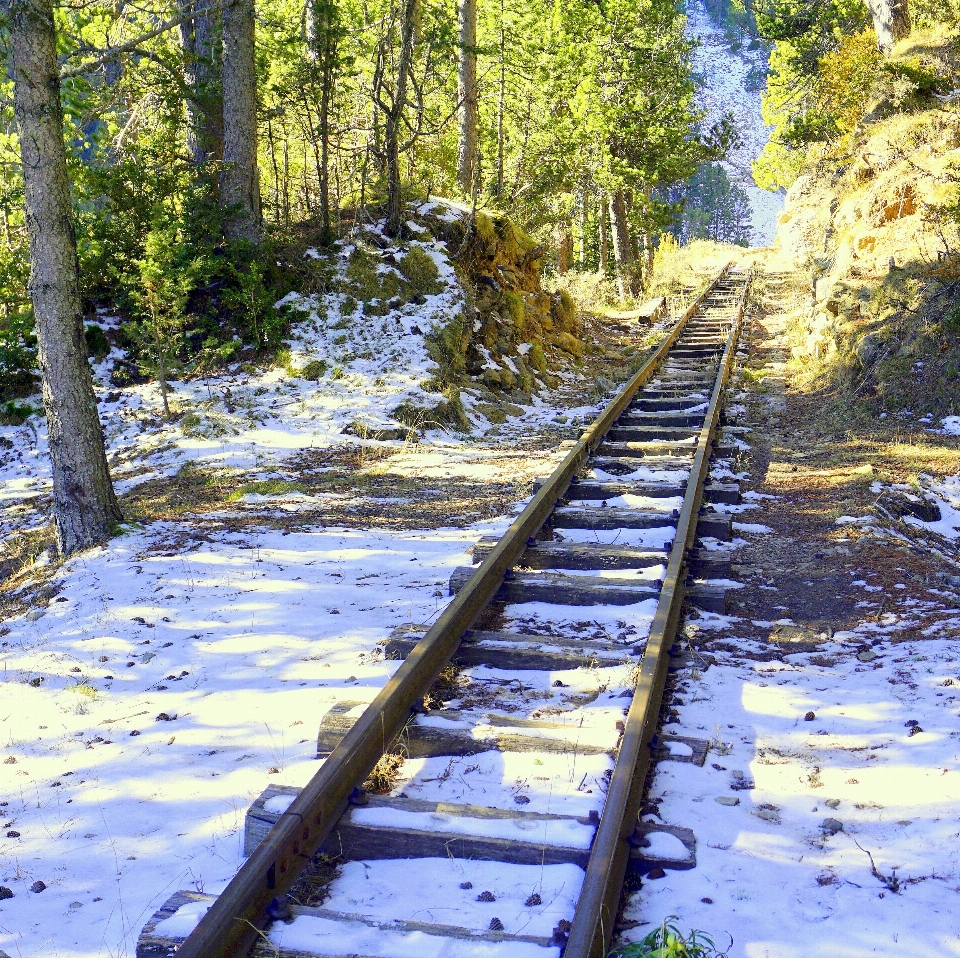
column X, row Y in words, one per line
column 561, row 589
column 588, row 489
column 623, row 465
column 151, row 945
column 509, row 650
column 699, row 748
column 713, row 525
column 727, row 492
column 357, row 841
column 578, row 555
column 695, row 352
column 598, row 555
column 419, row 740
column 679, row 393
column 644, row 450
column 641, row 837
column 641, row 433
column 668, row 403
column 640, row 418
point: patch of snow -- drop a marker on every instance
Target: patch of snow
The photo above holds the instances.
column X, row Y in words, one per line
column 756, row 528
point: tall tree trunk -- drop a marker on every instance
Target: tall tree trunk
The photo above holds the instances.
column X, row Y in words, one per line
column 391, row 126
column 622, row 247
column 323, row 46
column 891, row 21
column 501, row 101
column 604, row 239
column 582, row 251
column 564, row 249
column 240, row 179
column 468, row 94
column 648, row 251
column 199, row 39
column 85, row 509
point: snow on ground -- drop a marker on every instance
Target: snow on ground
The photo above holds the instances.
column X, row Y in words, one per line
column 157, row 685
column 725, row 88
column 787, row 811
column 253, row 420
column 176, row 684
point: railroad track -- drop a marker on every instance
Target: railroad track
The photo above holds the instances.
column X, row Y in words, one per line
column 565, row 633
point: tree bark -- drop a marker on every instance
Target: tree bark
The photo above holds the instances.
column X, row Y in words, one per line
column 391, row 126
column 501, row 102
column 622, row 246
column 85, row 509
column 323, row 47
column 604, row 239
column 240, row 179
column 564, row 249
column 891, row 21
column 582, row 249
column 199, row 40
column 468, row 94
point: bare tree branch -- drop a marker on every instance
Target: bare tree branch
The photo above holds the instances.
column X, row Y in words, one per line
column 149, row 35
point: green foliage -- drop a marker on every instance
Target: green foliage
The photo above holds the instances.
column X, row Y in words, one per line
column 13, row 413
column 923, row 77
column 714, row 208
column 826, row 75
column 516, row 309
column 159, row 301
column 577, row 99
column 252, row 299
column 98, row 346
column 846, row 78
column 668, row 941
column 18, row 355
column 314, row 371
column 366, row 281
column 419, row 268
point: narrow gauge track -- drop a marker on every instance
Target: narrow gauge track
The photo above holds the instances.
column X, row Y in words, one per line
column 650, row 451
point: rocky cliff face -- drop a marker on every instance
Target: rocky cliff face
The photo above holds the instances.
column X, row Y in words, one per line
column 510, row 331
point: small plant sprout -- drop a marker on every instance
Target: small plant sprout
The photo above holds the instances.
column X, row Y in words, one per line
column 718, row 745
column 668, row 941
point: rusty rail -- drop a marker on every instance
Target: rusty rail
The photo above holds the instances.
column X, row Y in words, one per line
column 592, row 927
column 235, row 921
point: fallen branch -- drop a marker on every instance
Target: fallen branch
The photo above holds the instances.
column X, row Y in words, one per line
column 890, row 881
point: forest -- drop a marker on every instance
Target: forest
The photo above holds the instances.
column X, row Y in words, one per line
column 179, row 158
column 173, row 162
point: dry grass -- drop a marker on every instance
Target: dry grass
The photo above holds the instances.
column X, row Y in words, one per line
column 385, row 774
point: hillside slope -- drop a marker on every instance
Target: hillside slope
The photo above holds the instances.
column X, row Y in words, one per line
column 872, row 225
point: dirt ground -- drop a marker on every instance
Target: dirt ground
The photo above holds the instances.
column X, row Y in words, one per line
column 803, row 569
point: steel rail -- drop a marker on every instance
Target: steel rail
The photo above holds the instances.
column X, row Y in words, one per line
column 235, row 921
column 592, row 927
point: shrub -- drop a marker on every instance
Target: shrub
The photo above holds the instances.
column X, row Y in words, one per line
column 98, row 346
column 420, row 269
column 18, row 355
column 314, row 371
column 847, row 76
column 516, row 308
column 13, row 413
